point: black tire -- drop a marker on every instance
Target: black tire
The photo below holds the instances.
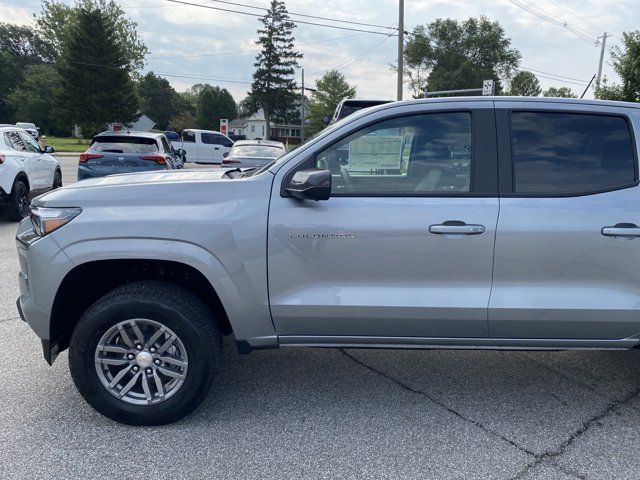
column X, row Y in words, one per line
column 175, row 308
column 19, row 202
column 57, row 180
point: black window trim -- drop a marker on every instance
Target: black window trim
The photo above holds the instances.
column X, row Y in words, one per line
column 483, row 133
column 506, row 170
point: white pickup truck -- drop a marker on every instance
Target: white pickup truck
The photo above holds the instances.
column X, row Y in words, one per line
column 203, row 146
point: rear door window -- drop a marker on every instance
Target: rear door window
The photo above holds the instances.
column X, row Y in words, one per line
column 14, row 140
column 570, row 153
column 125, row 145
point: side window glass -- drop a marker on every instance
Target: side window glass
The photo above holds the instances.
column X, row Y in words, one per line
column 30, row 144
column 15, row 141
column 427, row 153
column 565, row 153
column 165, row 144
column 210, row 139
column 188, row 136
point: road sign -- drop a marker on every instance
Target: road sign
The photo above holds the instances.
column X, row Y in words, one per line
column 487, row 87
column 224, row 126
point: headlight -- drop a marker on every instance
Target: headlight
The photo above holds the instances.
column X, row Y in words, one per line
column 46, row 220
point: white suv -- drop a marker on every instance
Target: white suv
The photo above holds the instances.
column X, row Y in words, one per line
column 25, row 171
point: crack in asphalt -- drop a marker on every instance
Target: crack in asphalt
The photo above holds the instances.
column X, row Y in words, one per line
column 439, row 403
column 538, row 458
column 9, row 319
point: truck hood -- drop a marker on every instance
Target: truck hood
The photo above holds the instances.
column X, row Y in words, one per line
column 155, row 189
column 162, row 176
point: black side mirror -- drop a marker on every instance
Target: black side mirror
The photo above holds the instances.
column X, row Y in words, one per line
column 225, row 154
column 49, row 149
column 312, row 184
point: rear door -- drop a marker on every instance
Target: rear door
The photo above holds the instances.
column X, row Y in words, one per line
column 41, row 165
column 404, row 246
column 567, row 253
column 23, row 156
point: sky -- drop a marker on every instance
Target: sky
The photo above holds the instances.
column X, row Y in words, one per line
column 196, row 45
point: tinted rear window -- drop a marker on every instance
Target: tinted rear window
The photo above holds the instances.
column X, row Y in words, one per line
column 563, row 153
column 134, row 145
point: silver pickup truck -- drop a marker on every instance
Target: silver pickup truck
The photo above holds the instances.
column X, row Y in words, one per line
column 448, row 223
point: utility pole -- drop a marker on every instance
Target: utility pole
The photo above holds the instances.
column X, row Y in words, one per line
column 302, row 110
column 599, row 76
column 400, row 47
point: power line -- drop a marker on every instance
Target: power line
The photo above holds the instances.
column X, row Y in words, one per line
column 352, row 22
column 181, row 2
column 600, row 29
column 242, row 52
column 533, row 70
column 548, row 17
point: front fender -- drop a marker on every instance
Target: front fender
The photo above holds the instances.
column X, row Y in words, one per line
column 248, row 314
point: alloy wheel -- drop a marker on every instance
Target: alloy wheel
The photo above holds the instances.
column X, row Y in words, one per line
column 141, row 361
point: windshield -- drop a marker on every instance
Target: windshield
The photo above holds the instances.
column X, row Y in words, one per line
column 262, row 151
column 26, row 125
column 133, row 145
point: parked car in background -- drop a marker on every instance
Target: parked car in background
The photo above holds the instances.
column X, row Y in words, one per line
column 30, row 128
column 25, row 171
column 126, row 152
column 253, row 153
column 351, row 105
column 203, row 146
column 171, row 135
column 235, row 137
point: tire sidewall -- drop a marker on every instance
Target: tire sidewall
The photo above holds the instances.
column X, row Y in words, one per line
column 18, row 187
column 201, row 356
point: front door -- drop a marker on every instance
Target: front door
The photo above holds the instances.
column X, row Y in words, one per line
column 404, row 246
column 567, row 252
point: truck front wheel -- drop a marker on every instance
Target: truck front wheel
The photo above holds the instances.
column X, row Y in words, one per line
column 145, row 353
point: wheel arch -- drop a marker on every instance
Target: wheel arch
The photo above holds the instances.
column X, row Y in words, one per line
column 86, row 283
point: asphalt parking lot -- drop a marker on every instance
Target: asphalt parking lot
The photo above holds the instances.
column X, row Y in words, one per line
column 314, row 413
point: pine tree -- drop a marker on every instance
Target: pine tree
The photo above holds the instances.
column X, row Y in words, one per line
column 274, row 87
column 96, row 83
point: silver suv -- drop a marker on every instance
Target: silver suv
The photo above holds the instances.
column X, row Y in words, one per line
column 447, row 223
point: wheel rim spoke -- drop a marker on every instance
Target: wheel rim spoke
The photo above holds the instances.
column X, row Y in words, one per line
column 129, row 385
column 119, row 377
column 169, row 373
column 154, row 338
column 159, row 385
column 147, row 390
column 165, row 346
column 173, row 361
column 116, row 362
column 138, row 332
column 114, row 349
column 125, row 336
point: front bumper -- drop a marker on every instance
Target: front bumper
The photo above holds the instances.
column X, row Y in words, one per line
column 40, row 260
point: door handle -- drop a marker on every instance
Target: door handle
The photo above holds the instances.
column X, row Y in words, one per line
column 216, row 148
column 454, row 227
column 624, row 230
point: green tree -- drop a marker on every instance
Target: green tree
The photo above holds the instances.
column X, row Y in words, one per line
column 525, row 84
column 20, row 47
column 32, row 100
column 57, row 21
column 331, row 88
column 159, row 100
column 606, row 91
column 564, row 92
column 96, row 77
column 213, row 104
column 448, row 54
column 274, row 85
column 626, row 63
column 182, row 121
